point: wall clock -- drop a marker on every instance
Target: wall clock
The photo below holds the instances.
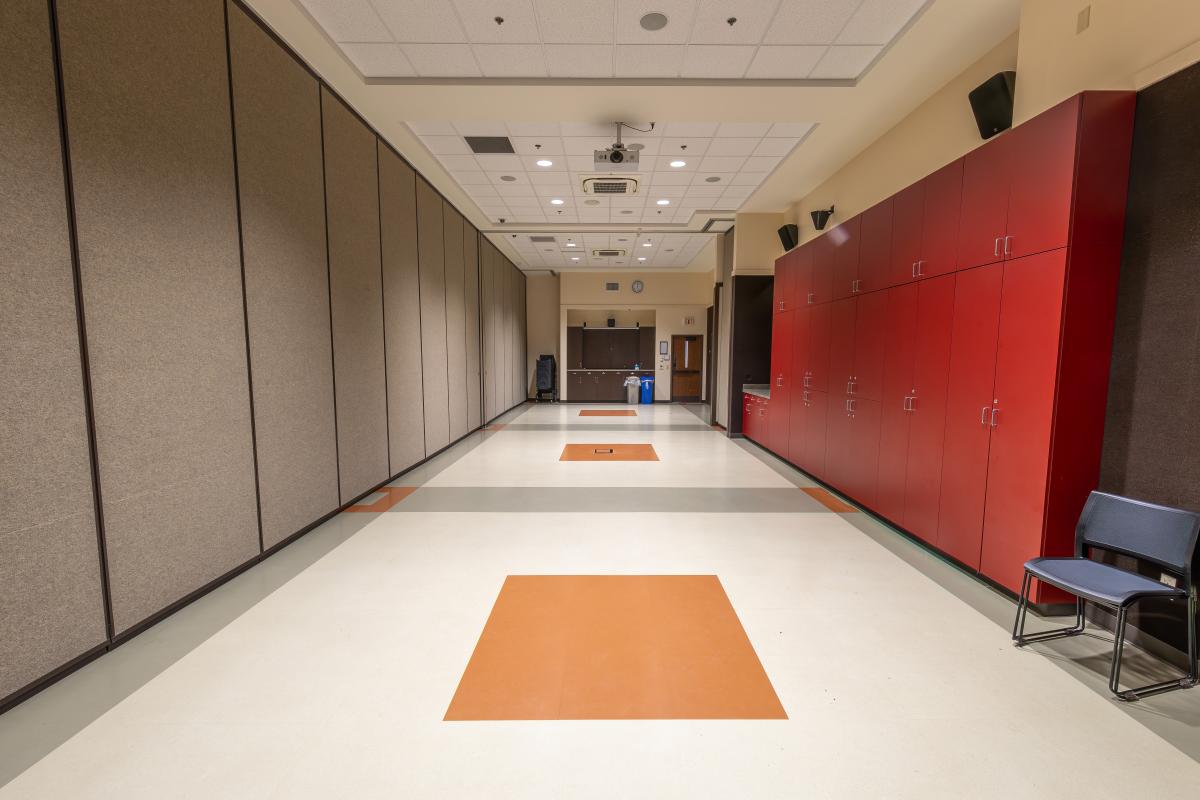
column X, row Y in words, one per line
column 637, row 287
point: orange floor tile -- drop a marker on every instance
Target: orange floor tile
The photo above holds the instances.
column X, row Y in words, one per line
column 391, row 496
column 614, row 647
column 826, row 498
column 608, row 452
column 603, row 412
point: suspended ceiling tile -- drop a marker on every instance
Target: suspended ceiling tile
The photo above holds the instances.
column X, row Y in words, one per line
column 795, row 130
column 511, row 60
column 751, row 20
column 500, row 163
column 722, row 163
column 375, row 60
column 648, row 61
column 679, row 15
column 579, row 60
column 758, row 129
column 733, row 146
column 538, row 129
column 760, row 163
column 809, row 21
column 470, row 178
column 479, row 19
column 575, row 22
column 716, row 61
column 442, row 60
column 785, row 62
column 775, row 147
column 879, row 21
column 845, row 61
column 348, row 20
column 421, row 21
column 447, row 145
column 432, row 128
column 459, row 163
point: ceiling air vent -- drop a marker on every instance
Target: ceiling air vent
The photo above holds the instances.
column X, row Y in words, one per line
column 612, row 286
column 608, row 253
column 609, row 185
column 542, row 239
column 489, row 144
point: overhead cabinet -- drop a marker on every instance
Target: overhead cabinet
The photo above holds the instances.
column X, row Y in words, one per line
column 943, row 358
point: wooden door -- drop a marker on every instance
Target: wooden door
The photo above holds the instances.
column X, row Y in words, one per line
column 908, row 216
column 862, row 469
column 968, row 404
column 816, row 423
column 927, row 408
column 687, row 360
column 847, row 242
column 984, row 215
column 1022, row 415
column 823, row 255
column 900, row 322
column 875, row 250
column 801, row 278
column 842, row 314
column 940, row 221
column 870, row 334
column 1043, row 177
column 817, row 352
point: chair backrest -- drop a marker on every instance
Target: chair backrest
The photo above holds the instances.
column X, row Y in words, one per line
column 1167, row 536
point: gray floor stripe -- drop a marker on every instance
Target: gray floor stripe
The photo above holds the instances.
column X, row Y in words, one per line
column 596, row 500
column 604, row 426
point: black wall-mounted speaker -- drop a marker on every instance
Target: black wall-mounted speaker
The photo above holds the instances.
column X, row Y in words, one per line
column 788, row 236
column 992, row 103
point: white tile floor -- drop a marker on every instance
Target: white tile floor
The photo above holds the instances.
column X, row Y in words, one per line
column 334, row 684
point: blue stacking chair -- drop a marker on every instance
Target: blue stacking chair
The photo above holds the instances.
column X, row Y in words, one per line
column 1161, row 535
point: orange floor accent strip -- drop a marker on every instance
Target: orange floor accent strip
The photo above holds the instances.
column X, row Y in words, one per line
column 825, row 498
column 391, row 496
column 608, row 452
column 614, row 647
column 603, row 412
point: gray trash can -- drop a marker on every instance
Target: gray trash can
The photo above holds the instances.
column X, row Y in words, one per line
column 633, row 385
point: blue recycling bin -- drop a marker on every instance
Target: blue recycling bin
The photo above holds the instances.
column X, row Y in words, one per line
column 647, row 390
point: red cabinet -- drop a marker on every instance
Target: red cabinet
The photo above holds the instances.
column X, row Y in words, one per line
column 815, row 427
column 801, row 275
column 781, row 383
column 983, row 215
column 845, row 239
column 870, row 335
column 940, row 221
column 900, row 320
column 823, row 252
column 820, row 334
column 875, row 247
column 801, row 381
column 1042, row 165
column 908, row 220
column 784, row 283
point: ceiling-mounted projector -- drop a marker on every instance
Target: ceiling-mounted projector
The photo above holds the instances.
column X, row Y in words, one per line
column 619, row 158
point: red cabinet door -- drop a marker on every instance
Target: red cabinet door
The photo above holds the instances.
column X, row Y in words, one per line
column 1043, row 176
column 1022, row 416
column 875, row 248
column 842, row 317
column 780, row 277
column 847, row 245
column 908, row 219
column 816, row 424
column 870, row 337
column 968, row 404
column 900, row 322
column 823, row 252
column 863, row 467
column 819, row 336
column 781, row 383
column 801, row 383
column 801, row 278
column 940, row 223
column 931, row 372
column 838, row 458
column 747, row 415
column 984, row 215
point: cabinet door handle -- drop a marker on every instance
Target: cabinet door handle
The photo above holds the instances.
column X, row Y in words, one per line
column 995, row 411
column 1007, row 247
column 905, row 404
column 983, row 415
column 920, row 272
column 914, row 269
column 996, row 246
column 779, row 380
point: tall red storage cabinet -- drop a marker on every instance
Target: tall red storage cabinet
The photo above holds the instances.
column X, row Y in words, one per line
column 949, row 366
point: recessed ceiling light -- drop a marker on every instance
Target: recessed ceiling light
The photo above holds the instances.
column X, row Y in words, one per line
column 545, row 162
column 678, row 164
column 641, row 258
column 556, row 202
column 647, row 244
column 508, row 178
column 570, row 244
column 664, row 202
column 712, row 179
column 574, row 258
column 654, row 21
column 591, row 202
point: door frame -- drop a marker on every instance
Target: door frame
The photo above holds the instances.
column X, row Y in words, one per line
column 675, row 336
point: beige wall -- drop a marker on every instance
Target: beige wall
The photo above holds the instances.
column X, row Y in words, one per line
column 541, row 321
column 1127, row 45
column 938, row 131
column 724, row 276
column 756, row 245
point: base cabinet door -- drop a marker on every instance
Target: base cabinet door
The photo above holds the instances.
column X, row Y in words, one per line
column 1022, row 415
column 927, row 406
column 820, row 332
column 839, row 459
column 801, row 383
column 863, row 467
column 781, row 368
column 898, row 384
column 815, row 424
column 968, row 409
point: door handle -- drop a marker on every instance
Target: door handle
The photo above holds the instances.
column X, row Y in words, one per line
column 995, row 411
column 996, row 246
column 920, row 272
column 983, row 415
column 779, row 380
column 811, row 295
column 1007, row 243
column 914, row 269
column 905, row 405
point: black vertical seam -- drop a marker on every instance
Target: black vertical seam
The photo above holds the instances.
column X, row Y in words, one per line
column 237, row 196
column 387, row 409
column 446, row 323
column 420, row 311
column 337, row 448
column 85, row 367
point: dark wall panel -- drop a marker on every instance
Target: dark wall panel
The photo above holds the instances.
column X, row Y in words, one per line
column 506, row 295
column 471, row 293
column 402, row 309
column 432, row 260
column 51, row 606
column 487, row 313
column 277, row 115
column 356, row 297
column 147, row 100
column 456, row 324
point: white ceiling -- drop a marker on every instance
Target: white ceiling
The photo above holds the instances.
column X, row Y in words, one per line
column 724, row 163
column 644, row 251
column 603, row 39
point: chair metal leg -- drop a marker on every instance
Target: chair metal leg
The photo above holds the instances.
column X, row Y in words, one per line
column 1185, row 682
column 1019, row 637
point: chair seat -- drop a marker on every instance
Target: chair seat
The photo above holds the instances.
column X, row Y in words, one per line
column 1098, row 582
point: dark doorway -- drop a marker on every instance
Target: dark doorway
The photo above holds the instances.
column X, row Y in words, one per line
column 687, row 363
column 710, row 357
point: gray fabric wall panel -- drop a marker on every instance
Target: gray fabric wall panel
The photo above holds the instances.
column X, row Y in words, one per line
column 147, row 98
column 486, row 315
column 471, row 294
column 277, row 114
column 456, row 324
column 51, row 608
column 402, row 309
column 523, row 391
column 356, row 297
column 510, row 381
column 431, row 256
